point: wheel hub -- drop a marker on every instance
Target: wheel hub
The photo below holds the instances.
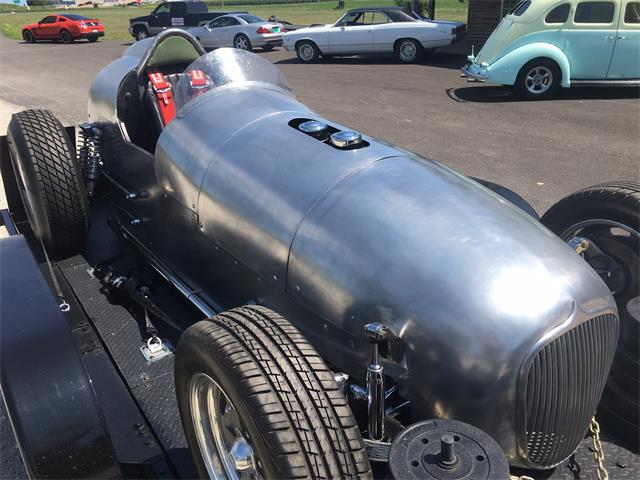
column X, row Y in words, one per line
column 408, row 51
column 306, row 52
column 222, row 436
column 242, row 455
column 538, row 80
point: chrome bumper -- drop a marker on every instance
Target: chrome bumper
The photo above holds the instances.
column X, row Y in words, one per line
column 472, row 76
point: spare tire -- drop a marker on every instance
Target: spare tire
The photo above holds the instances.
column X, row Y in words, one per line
column 256, row 399
column 608, row 215
column 49, row 180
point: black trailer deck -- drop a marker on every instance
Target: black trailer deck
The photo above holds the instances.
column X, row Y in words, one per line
column 152, row 387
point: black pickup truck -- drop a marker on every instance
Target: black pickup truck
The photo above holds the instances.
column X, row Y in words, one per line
column 172, row 14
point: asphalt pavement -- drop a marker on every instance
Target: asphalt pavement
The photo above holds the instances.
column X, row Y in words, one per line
column 542, row 150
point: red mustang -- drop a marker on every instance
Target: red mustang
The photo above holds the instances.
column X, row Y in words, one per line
column 65, row 27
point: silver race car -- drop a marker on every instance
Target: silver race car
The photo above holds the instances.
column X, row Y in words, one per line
column 353, row 290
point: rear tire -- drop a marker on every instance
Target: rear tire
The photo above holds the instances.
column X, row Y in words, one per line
column 65, row 37
column 291, row 412
column 92, row 39
column 307, row 52
column 242, row 42
column 408, row 50
column 598, row 214
column 28, row 37
column 539, row 79
column 267, row 48
column 49, row 180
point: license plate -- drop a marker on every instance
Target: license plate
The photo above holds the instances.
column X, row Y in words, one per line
column 95, row 29
column 276, row 29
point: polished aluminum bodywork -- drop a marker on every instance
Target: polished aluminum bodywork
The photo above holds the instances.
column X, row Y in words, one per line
column 246, row 208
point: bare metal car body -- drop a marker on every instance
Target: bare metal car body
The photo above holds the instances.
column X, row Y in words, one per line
column 497, row 322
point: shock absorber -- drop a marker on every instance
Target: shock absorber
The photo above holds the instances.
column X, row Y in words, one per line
column 375, row 334
column 90, row 154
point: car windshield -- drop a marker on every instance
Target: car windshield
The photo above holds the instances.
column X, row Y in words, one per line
column 227, row 66
column 72, row 16
column 251, row 18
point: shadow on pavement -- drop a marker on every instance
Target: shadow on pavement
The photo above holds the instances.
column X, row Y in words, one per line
column 438, row 60
column 504, row 94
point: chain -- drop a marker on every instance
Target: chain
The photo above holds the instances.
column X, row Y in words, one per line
column 520, row 477
column 598, row 452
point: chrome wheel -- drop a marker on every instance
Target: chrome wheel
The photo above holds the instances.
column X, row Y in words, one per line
column 408, row 51
column 306, row 52
column 222, row 437
column 141, row 34
column 242, row 43
column 538, row 80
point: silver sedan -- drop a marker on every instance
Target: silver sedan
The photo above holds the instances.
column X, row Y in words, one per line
column 242, row 30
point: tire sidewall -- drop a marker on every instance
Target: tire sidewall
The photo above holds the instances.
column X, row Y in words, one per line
column 571, row 211
column 65, row 37
column 196, row 358
column 92, row 38
column 564, row 215
column 26, row 178
column 28, row 37
column 521, row 87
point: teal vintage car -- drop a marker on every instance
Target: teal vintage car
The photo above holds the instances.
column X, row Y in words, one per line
column 542, row 45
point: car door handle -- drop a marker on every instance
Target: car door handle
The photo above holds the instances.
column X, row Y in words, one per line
column 622, row 38
column 609, row 37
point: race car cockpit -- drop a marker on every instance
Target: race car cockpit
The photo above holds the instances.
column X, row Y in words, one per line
column 146, row 98
column 174, row 71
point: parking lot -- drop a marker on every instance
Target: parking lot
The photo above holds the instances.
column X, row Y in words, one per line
column 542, row 150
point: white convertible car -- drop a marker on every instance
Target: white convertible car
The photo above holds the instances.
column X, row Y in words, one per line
column 373, row 30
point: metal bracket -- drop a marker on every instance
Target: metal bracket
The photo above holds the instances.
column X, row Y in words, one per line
column 156, row 349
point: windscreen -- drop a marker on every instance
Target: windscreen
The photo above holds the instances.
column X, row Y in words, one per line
column 226, row 66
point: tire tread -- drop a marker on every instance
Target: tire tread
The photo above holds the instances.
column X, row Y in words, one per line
column 57, row 175
column 305, row 418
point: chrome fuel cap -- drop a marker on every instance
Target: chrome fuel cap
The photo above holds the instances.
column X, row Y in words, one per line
column 346, row 139
column 313, row 127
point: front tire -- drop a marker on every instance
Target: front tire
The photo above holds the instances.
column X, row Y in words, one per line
column 242, row 42
column 539, row 79
column 49, row 180
column 307, row 52
column 408, row 50
column 250, row 372
column 28, row 37
column 609, row 216
column 65, row 37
